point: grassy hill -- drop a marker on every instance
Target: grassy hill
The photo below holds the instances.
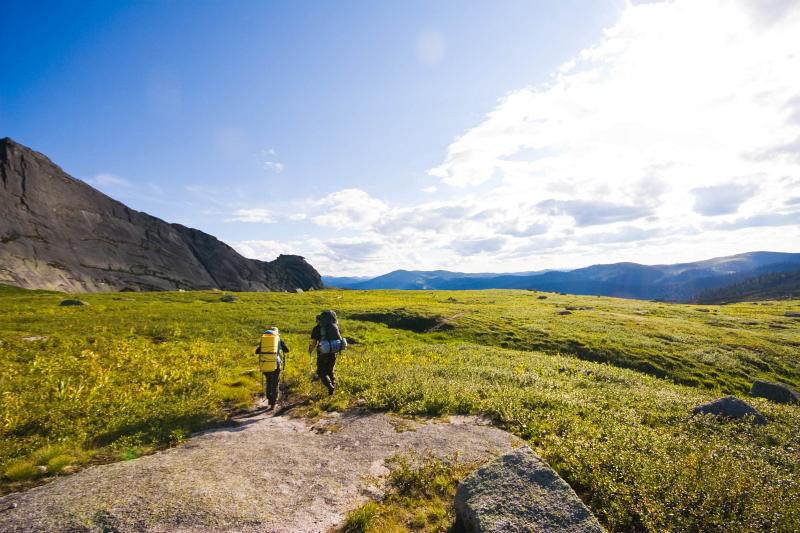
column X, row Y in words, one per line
column 602, row 388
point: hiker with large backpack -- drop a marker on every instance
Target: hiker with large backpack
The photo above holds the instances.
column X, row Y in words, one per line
column 270, row 349
column 328, row 341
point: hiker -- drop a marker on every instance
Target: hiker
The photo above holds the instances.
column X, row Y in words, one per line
column 269, row 350
column 327, row 340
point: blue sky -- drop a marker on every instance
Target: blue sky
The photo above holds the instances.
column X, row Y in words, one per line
column 368, row 136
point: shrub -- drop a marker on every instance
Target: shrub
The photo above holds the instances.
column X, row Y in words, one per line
column 22, row 471
column 360, row 519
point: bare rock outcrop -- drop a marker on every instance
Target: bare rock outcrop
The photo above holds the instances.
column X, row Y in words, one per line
column 730, row 407
column 776, row 392
column 58, row 233
column 520, row 492
column 276, row 474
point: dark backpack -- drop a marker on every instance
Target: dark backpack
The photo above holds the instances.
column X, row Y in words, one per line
column 331, row 340
column 327, row 318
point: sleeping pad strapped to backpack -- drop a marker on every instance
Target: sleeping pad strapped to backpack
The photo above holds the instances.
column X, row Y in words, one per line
column 268, row 352
column 331, row 340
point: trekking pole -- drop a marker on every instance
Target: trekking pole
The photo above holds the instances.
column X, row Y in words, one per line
column 263, row 382
column 280, row 374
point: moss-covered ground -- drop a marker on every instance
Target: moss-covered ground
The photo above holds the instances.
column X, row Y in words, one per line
column 603, row 392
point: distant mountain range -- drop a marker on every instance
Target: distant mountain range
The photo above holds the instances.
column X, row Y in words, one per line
column 415, row 280
column 59, row 233
column 683, row 282
column 775, row 286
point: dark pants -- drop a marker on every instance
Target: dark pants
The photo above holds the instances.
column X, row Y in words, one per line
column 325, row 364
column 271, row 386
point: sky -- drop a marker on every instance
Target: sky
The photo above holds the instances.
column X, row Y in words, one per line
column 472, row 136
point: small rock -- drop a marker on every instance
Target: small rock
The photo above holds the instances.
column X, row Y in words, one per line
column 298, row 290
column 777, row 392
column 67, row 303
column 229, row 299
column 730, row 407
column 565, row 312
column 520, row 492
column 42, row 469
column 361, row 402
column 542, row 297
column 34, row 338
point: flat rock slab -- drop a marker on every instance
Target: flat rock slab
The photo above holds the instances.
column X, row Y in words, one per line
column 519, row 492
column 276, row 474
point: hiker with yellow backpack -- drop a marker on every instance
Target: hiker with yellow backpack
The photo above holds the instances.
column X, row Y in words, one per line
column 269, row 351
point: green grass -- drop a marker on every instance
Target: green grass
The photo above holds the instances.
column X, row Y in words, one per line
column 604, row 393
column 419, row 497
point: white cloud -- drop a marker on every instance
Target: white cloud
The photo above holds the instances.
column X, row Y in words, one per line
column 267, row 160
column 273, row 165
column 348, row 208
column 265, row 250
column 679, row 100
column 478, row 246
column 258, row 215
column 110, row 180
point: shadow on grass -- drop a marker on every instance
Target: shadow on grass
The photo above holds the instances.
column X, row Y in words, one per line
column 158, row 429
column 402, row 319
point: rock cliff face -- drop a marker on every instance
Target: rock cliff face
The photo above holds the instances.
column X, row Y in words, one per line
column 59, row 233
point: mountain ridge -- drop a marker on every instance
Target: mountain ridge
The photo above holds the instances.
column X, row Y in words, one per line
column 673, row 282
column 60, row 233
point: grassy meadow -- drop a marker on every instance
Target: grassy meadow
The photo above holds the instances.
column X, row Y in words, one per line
column 602, row 388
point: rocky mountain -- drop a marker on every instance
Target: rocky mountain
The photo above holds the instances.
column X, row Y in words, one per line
column 678, row 282
column 58, row 233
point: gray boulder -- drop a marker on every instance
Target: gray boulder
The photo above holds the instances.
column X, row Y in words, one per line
column 730, row 407
column 777, row 392
column 520, row 492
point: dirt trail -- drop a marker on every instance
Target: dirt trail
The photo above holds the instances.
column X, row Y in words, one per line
column 270, row 473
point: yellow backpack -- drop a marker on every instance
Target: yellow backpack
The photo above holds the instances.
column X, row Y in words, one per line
column 268, row 356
